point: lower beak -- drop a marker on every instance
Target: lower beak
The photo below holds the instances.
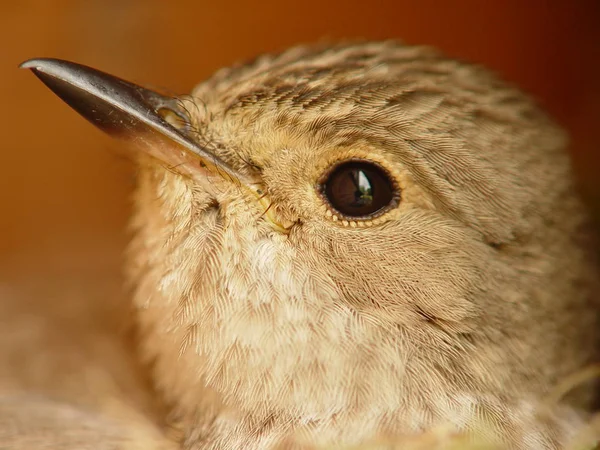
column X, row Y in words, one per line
column 140, row 116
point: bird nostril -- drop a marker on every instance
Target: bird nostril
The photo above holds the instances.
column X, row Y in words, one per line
column 176, row 120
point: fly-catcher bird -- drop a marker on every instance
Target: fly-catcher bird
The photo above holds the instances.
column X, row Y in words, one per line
column 339, row 243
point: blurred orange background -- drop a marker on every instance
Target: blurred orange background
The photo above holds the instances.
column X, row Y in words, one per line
column 65, row 193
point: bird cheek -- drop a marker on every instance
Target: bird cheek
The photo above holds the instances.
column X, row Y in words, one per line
column 401, row 274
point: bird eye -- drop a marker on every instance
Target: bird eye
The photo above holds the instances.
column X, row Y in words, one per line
column 359, row 189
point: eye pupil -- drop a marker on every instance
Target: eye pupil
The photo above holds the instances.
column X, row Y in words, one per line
column 358, row 189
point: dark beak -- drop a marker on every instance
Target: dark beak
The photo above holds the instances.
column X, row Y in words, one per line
column 125, row 110
column 156, row 123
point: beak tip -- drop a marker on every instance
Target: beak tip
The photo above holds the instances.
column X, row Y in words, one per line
column 30, row 64
column 44, row 65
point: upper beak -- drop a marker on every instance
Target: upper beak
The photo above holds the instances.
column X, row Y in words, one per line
column 129, row 111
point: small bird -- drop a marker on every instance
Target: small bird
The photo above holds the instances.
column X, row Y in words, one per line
column 342, row 242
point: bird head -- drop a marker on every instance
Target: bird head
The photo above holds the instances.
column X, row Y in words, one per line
column 347, row 239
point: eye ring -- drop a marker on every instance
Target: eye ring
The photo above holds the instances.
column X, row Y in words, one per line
column 358, row 189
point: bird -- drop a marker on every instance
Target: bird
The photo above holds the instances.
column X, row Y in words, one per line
column 349, row 240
